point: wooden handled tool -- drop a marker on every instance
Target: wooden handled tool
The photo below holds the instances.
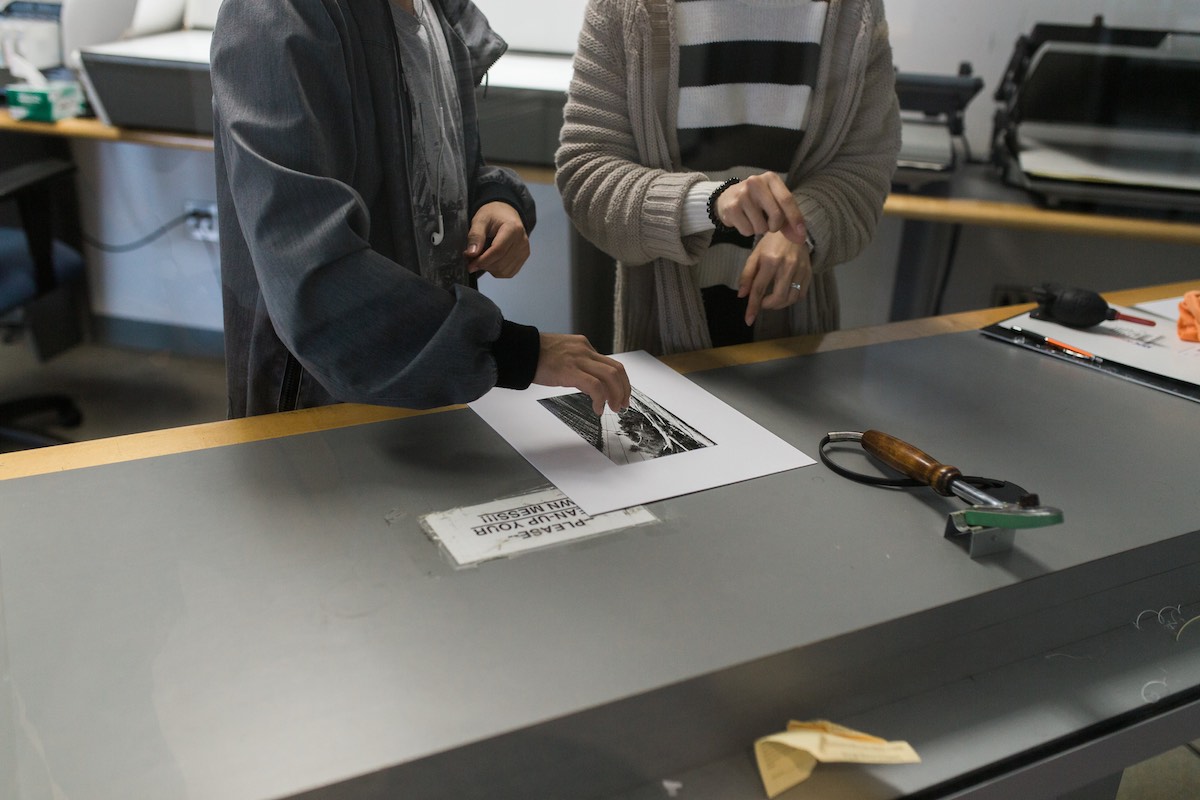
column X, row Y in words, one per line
column 984, row 510
column 908, row 460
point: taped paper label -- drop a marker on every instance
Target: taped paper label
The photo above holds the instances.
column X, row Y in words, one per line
column 501, row 528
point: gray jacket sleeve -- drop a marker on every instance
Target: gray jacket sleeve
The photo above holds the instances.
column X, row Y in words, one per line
column 369, row 329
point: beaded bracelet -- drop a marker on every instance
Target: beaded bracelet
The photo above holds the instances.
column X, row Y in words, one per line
column 712, row 206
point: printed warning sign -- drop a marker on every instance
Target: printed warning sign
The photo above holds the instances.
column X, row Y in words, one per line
column 518, row 524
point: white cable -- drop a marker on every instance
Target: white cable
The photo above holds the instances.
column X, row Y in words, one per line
column 435, row 78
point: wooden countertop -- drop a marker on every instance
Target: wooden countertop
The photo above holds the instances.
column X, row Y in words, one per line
column 229, row 432
column 1026, row 216
column 954, row 210
column 96, row 130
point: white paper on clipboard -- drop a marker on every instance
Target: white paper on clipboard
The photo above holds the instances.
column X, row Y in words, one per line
column 1155, row 349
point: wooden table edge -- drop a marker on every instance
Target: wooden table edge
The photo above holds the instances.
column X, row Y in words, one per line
column 229, row 432
column 951, row 210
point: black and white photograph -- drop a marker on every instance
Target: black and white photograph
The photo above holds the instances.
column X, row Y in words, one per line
column 642, row 432
column 617, row 461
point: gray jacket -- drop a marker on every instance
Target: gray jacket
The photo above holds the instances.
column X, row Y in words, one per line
column 323, row 298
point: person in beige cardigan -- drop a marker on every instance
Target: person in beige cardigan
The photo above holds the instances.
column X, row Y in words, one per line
column 622, row 175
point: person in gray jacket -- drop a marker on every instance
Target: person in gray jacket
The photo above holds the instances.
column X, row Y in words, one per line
column 356, row 212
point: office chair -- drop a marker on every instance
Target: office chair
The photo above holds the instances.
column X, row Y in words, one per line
column 32, row 266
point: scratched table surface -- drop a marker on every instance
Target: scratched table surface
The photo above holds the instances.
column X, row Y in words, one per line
column 268, row 620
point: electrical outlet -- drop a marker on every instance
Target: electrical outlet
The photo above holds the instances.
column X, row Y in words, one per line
column 201, row 220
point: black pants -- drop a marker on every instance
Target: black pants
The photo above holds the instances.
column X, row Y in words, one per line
column 726, row 314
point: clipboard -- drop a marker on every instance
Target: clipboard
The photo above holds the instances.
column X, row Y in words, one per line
column 1155, row 358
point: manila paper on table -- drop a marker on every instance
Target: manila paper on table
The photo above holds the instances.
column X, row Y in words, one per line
column 675, row 439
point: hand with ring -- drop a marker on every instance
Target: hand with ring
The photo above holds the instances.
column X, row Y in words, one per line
column 777, row 274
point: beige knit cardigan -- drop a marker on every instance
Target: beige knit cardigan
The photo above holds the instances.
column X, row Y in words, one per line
column 619, row 172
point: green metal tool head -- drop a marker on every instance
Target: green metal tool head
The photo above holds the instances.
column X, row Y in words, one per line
column 1013, row 516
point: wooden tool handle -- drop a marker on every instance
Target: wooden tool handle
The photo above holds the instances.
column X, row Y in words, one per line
column 904, row 458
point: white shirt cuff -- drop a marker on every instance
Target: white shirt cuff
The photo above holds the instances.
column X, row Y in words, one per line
column 695, row 208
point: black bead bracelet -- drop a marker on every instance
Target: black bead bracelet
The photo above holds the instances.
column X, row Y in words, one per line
column 712, row 206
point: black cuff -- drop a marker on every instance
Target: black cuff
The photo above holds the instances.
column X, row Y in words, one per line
column 495, row 194
column 516, row 353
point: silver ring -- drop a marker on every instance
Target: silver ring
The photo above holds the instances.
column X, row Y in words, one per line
column 799, row 288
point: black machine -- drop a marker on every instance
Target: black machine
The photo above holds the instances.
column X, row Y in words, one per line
column 1101, row 115
column 932, row 110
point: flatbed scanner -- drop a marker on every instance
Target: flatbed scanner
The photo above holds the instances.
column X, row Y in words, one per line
column 159, row 82
column 1100, row 115
column 159, row 79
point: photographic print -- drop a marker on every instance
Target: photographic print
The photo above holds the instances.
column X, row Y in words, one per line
column 618, row 461
column 641, row 432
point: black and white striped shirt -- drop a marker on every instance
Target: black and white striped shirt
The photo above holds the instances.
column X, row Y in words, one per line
column 746, row 73
column 747, row 69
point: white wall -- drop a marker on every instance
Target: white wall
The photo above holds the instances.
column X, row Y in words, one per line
column 927, row 35
column 201, row 13
column 127, row 191
column 556, row 28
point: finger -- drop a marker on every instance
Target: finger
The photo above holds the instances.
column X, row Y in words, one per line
column 778, row 206
column 508, row 267
column 791, row 220
column 794, row 231
column 754, row 286
column 767, row 195
column 594, row 388
column 609, row 383
column 590, row 385
column 778, row 295
column 769, row 215
column 758, row 205
column 476, row 237
column 490, row 258
column 735, row 217
column 570, row 360
column 787, row 278
column 737, row 208
column 749, row 271
column 770, row 287
column 502, row 256
column 754, row 301
column 780, row 212
column 619, row 389
column 514, row 258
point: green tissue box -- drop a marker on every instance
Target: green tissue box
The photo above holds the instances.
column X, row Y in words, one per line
column 57, row 100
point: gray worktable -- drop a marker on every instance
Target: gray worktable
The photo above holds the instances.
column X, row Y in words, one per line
column 268, row 620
